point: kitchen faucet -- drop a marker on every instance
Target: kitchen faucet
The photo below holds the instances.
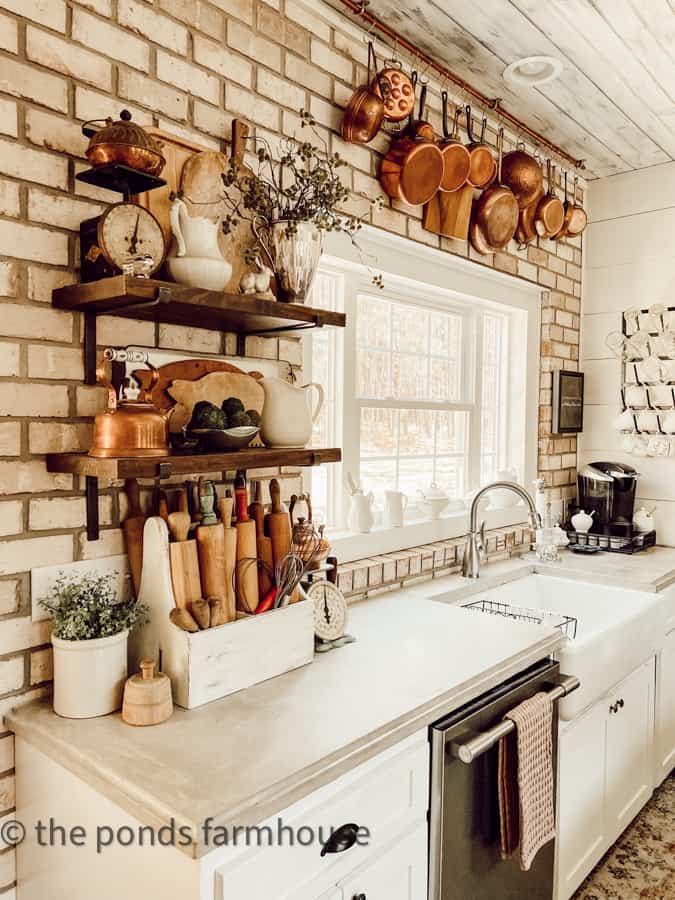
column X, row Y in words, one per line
column 474, row 549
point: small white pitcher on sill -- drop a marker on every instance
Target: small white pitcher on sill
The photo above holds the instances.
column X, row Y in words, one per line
column 395, row 503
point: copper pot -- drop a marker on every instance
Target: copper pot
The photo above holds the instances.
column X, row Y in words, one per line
column 483, row 167
column 397, row 89
column 456, row 157
column 576, row 218
column 130, row 427
column 550, row 212
column 522, row 173
column 124, row 143
column 365, row 111
column 495, row 214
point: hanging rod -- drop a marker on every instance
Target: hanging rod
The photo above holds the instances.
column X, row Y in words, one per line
column 360, row 8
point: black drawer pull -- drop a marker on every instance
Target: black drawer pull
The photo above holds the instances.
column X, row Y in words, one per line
column 341, row 840
column 359, row 897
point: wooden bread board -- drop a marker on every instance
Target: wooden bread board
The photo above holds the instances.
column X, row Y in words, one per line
column 215, row 387
column 185, row 370
column 449, row 214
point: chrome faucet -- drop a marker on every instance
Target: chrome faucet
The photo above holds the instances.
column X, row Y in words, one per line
column 474, row 549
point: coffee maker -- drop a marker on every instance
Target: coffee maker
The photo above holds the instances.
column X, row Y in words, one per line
column 608, row 489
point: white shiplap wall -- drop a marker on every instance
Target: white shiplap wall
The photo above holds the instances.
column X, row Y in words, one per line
column 629, row 255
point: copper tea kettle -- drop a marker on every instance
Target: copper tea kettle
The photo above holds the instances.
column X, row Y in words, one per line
column 130, row 427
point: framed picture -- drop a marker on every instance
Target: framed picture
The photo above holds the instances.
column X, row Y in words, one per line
column 568, row 402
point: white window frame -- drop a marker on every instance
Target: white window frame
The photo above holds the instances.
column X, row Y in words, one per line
column 409, row 264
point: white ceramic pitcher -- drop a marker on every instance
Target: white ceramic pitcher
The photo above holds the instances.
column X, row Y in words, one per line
column 287, row 419
column 197, row 260
column 395, row 503
column 361, row 517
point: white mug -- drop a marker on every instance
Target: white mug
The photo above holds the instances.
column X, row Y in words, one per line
column 395, row 504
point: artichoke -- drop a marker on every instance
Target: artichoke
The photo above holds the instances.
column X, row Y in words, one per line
column 231, row 406
column 207, row 415
column 239, row 419
column 255, row 417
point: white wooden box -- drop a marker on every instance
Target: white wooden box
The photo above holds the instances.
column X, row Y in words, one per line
column 211, row 664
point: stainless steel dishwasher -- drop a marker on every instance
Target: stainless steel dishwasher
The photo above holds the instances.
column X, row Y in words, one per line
column 464, row 842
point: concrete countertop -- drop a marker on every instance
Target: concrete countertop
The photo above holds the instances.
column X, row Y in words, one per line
column 244, row 758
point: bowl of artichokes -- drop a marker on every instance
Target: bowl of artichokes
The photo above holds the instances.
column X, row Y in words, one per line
column 226, row 427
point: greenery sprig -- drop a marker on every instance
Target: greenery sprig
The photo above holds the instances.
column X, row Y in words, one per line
column 85, row 608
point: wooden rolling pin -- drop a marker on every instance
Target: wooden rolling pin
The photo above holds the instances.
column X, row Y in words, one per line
column 184, row 561
column 133, row 532
column 211, row 552
column 256, row 511
column 278, row 527
column 247, row 555
column 225, row 506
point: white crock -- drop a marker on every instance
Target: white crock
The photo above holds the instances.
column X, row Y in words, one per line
column 89, row 676
column 287, row 419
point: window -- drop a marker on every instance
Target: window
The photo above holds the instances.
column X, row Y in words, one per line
column 425, row 384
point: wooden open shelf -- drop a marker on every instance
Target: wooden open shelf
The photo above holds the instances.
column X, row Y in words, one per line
column 186, row 463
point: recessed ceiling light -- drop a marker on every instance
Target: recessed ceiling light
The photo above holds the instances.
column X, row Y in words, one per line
column 533, row 70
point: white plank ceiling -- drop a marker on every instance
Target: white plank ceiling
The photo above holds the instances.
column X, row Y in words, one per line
column 614, row 103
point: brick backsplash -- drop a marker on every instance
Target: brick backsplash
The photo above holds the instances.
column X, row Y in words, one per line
column 188, row 65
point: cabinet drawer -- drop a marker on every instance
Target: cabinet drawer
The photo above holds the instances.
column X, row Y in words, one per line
column 385, row 795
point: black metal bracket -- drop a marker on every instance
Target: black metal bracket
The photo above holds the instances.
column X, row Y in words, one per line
column 91, row 493
column 90, row 327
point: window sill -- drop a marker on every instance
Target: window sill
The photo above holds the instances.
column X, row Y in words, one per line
column 350, row 546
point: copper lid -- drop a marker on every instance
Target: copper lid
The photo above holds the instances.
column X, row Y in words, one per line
column 124, row 131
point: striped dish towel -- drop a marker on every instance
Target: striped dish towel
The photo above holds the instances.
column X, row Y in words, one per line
column 535, row 778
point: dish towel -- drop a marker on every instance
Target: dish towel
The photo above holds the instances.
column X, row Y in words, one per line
column 526, row 760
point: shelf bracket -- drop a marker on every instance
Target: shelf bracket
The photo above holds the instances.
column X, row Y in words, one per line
column 282, row 329
column 91, row 493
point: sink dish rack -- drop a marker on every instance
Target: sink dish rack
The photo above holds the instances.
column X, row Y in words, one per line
column 566, row 624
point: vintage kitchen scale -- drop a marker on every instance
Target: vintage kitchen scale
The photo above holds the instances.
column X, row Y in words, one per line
column 330, row 608
column 126, row 238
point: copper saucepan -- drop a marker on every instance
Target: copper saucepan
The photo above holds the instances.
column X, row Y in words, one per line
column 365, row 111
column 550, row 212
column 483, row 167
column 456, row 157
column 495, row 214
column 576, row 219
column 526, row 232
column 397, row 89
column 413, row 168
column 522, row 173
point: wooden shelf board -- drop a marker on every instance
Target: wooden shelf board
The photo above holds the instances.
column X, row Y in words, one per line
column 187, row 463
column 165, row 301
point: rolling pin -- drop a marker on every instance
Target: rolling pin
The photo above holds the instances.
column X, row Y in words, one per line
column 184, row 561
column 133, row 532
column 278, row 524
column 247, row 555
column 211, row 552
column 225, row 506
column 162, row 505
column 256, row 511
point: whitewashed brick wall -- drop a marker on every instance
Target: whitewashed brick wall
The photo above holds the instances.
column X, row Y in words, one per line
column 188, row 65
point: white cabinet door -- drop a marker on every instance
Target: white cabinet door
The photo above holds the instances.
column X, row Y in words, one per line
column 581, row 779
column 399, row 873
column 630, row 729
column 665, row 710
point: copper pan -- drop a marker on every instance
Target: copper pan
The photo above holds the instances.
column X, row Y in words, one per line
column 483, row 167
column 550, row 212
column 456, row 157
column 526, row 232
column 496, row 210
column 364, row 113
column 578, row 217
column 397, row 89
column 522, row 173
column 413, row 168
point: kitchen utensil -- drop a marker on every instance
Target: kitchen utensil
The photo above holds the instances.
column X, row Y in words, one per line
column 330, row 610
column 126, row 238
column 195, row 258
column 397, row 89
column 395, row 503
column 218, row 613
column 550, row 212
column 147, row 697
column 522, row 174
column 256, row 511
column 183, row 619
column 412, row 170
column 287, row 420
column 578, row 218
column 278, row 525
column 219, row 440
column 132, row 528
column 526, row 232
column 482, row 169
column 161, row 504
column 207, row 502
column 420, row 128
column 214, row 387
column 435, row 500
column 129, row 427
column 247, row 556
column 211, row 552
column 361, row 518
column 184, row 562
column 456, row 157
column 449, row 214
column 365, row 111
column 183, row 370
column 225, row 506
column 124, row 143
column 495, row 213
column 201, row 612
column 287, row 575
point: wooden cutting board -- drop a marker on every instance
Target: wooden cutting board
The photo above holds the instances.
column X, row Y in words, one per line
column 132, row 528
column 215, row 388
column 449, row 214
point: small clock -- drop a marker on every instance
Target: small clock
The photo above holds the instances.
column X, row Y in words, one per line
column 330, row 610
column 125, row 235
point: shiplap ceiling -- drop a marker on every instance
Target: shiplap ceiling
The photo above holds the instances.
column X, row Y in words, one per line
column 614, row 103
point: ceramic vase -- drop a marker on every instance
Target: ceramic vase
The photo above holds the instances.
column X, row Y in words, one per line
column 89, row 676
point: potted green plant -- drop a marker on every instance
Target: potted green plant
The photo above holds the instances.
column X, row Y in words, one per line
column 89, row 636
column 291, row 203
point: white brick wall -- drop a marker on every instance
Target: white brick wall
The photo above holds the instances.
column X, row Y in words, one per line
column 183, row 65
